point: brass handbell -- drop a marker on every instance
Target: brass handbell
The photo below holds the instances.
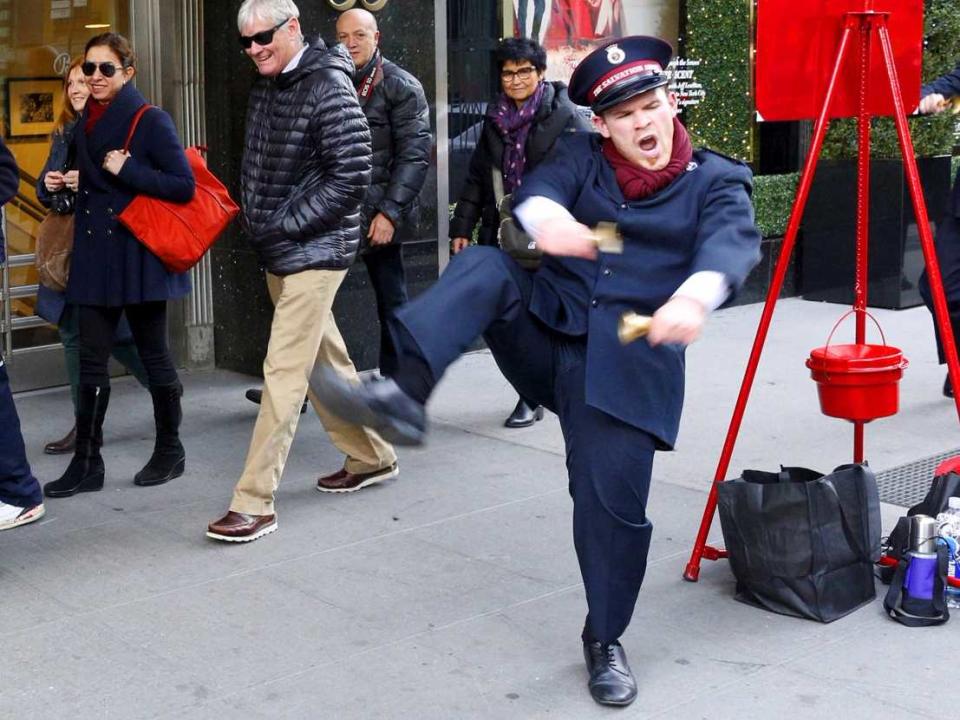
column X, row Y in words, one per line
column 608, row 238
column 633, row 327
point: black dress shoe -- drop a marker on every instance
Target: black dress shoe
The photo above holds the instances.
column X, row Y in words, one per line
column 254, row 395
column 947, row 388
column 611, row 682
column 374, row 402
column 524, row 415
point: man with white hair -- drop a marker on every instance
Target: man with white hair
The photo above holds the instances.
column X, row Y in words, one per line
column 306, row 167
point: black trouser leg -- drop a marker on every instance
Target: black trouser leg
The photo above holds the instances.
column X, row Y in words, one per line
column 86, row 471
column 385, row 268
column 609, row 465
column 948, row 258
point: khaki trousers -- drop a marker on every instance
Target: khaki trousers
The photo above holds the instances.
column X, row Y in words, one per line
column 303, row 333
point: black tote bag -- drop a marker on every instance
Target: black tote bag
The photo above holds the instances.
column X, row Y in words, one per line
column 802, row 543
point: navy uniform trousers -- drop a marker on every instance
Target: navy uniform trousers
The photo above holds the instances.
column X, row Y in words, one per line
column 18, row 486
column 484, row 292
column 948, row 258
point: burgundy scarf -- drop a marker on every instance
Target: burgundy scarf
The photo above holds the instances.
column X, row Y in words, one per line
column 514, row 125
column 637, row 182
column 95, row 111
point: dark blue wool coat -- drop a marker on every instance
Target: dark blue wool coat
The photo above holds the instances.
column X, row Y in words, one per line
column 109, row 266
column 703, row 220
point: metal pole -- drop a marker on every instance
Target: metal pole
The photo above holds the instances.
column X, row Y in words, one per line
column 692, row 571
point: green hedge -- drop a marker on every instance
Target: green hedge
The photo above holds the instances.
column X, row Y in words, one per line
column 718, row 34
column 772, row 200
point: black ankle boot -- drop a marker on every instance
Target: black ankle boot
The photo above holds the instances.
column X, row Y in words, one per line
column 524, row 415
column 169, row 459
column 85, row 472
column 611, row 680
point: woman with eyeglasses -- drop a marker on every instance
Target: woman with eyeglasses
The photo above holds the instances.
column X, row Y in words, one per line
column 112, row 273
column 57, row 191
column 521, row 126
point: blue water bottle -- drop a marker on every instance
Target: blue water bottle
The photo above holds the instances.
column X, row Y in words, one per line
column 922, row 566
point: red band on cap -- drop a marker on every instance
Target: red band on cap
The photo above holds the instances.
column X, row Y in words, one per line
column 637, row 67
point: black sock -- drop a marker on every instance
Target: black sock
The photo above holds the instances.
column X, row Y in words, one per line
column 413, row 373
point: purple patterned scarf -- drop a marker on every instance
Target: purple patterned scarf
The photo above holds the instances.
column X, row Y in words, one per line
column 514, row 125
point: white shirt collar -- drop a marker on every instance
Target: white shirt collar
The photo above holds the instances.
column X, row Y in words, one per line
column 292, row 65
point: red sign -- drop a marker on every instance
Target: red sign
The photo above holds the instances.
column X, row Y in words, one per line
column 797, row 44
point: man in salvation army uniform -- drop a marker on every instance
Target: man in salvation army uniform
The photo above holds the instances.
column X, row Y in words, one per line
column 689, row 242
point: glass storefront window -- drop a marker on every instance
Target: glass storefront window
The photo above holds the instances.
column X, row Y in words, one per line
column 38, row 39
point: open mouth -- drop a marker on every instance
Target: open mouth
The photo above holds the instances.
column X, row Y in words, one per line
column 648, row 144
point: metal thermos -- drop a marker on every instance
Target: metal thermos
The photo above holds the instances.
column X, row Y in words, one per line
column 923, row 534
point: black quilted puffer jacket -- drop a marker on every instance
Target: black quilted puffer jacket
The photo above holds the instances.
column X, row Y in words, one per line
column 400, row 130
column 306, row 164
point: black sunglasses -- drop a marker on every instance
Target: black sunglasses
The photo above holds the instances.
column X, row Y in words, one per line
column 264, row 37
column 107, row 69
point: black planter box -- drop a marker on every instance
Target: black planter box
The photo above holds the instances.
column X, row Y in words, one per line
column 895, row 259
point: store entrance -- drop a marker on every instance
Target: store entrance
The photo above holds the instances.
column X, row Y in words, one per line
column 38, row 39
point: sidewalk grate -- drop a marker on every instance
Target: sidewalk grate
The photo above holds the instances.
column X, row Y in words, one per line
column 906, row 485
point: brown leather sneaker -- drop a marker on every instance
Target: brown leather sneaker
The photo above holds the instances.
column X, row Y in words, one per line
column 343, row 481
column 240, row 527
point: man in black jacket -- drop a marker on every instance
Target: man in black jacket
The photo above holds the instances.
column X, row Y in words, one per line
column 935, row 98
column 306, row 167
column 396, row 109
column 21, row 500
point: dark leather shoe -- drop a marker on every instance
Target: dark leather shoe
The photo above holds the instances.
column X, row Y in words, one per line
column 611, row 682
column 254, row 395
column 524, row 415
column 66, row 444
column 343, row 481
column 374, row 402
column 240, row 527
column 947, row 388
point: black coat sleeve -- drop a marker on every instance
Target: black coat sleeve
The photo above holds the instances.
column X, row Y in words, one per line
column 9, row 175
column 410, row 129
column 342, row 139
column 473, row 196
column 947, row 85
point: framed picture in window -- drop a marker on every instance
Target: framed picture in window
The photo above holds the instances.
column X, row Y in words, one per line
column 33, row 106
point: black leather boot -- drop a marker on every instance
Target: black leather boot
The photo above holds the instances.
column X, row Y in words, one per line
column 524, row 415
column 611, row 681
column 85, row 471
column 947, row 387
column 169, row 459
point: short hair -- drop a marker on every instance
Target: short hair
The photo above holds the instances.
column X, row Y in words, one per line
column 118, row 44
column 276, row 11
column 517, row 49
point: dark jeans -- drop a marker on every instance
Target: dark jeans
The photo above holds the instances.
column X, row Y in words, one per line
column 124, row 349
column 18, row 486
column 148, row 323
column 609, row 463
column 385, row 268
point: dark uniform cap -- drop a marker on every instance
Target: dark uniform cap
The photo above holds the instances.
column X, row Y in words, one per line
column 620, row 70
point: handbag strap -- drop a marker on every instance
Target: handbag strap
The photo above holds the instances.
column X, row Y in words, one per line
column 134, row 123
column 893, row 601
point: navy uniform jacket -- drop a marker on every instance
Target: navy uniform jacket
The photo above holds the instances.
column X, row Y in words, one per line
column 949, row 86
column 9, row 182
column 701, row 221
column 109, row 266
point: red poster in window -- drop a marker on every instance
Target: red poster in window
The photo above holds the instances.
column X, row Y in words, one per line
column 797, row 45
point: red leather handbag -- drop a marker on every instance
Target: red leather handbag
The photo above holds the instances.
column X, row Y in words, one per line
column 180, row 233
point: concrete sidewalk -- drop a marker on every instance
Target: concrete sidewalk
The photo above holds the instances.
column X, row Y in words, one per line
column 452, row 592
